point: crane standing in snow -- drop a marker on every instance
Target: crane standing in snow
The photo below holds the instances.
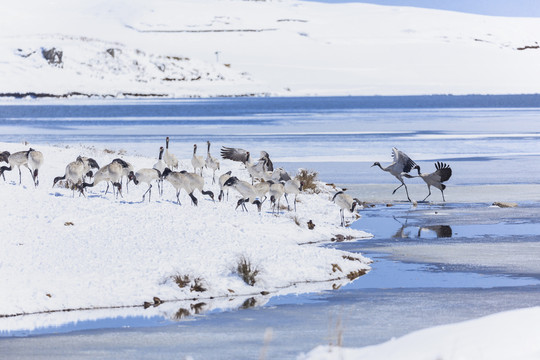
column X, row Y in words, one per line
column 345, row 202
column 30, row 158
column 169, row 158
column 402, row 164
column 211, row 163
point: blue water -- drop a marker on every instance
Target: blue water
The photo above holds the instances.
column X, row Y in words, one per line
column 340, row 137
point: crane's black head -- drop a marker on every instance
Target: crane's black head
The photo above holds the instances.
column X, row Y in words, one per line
column 259, row 205
column 166, row 172
column 231, row 181
column 4, row 156
column 376, row 163
column 57, row 179
column 209, row 193
column 132, row 177
column 90, row 174
column 92, row 163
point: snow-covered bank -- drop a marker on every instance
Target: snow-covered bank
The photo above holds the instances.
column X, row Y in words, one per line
column 508, row 335
column 240, row 48
column 67, row 252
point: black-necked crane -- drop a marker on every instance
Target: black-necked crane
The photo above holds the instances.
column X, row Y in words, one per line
column 246, row 190
column 89, row 164
column 442, row 173
column 35, row 161
column 146, row 176
column 74, row 174
column 402, row 164
column 170, row 159
column 196, row 182
column 187, row 181
column 265, row 158
column 112, row 172
column 31, row 159
column 211, row 163
column 18, row 159
column 177, row 180
column 345, row 202
column 222, row 179
column 160, row 166
column 126, row 169
column 275, row 191
column 261, row 189
column 197, row 160
column 255, row 170
column 292, row 186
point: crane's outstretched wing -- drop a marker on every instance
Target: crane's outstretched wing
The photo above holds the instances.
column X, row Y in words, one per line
column 234, row 154
column 443, row 170
column 403, row 160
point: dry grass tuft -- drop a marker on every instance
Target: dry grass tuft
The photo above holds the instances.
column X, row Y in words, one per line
column 197, row 285
column 247, row 271
column 336, row 267
column 309, row 178
column 181, row 280
column 181, row 313
column 355, row 274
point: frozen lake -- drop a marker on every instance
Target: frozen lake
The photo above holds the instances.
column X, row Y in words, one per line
column 434, row 264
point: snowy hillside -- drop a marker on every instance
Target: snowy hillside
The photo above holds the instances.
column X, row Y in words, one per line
column 233, row 47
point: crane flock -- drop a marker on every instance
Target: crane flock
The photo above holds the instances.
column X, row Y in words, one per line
column 266, row 182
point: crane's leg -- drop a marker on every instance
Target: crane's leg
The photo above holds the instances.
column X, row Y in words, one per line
column 288, row 206
column 178, row 196
column 220, row 196
column 20, row 178
column 407, row 191
column 149, row 190
column 106, row 190
column 193, row 199
column 442, row 192
column 342, row 215
column 294, row 203
column 118, row 189
column 429, row 189
column 402, row 183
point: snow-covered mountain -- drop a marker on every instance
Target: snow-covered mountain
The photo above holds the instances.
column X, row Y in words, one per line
column 178, row 48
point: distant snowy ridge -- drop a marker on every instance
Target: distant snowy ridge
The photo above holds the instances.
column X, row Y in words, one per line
column 261, row 48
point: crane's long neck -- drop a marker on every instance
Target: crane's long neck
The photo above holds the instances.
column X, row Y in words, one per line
column 208, row 151
column 167, row 143
column 194, row 150
column 379, row 165
column 160, row 153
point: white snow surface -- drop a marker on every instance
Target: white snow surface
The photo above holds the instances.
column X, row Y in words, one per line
column 123, row 252
column 508, row 335
column 206, row 48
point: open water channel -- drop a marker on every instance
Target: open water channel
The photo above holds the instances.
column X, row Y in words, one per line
column 434, row 263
